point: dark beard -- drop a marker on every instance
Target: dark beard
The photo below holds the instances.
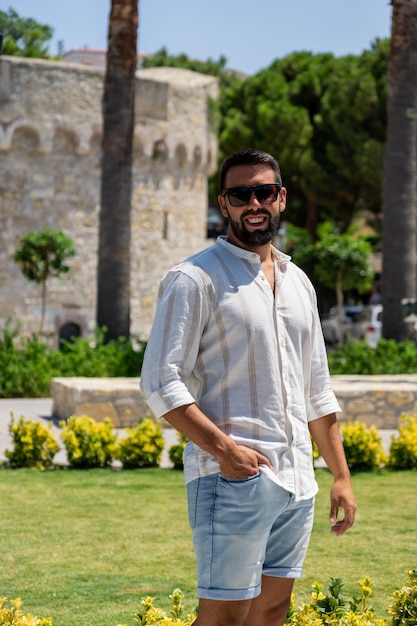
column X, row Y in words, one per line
column 257, row 237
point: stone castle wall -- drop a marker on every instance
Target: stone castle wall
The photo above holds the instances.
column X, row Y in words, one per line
column 50, row 150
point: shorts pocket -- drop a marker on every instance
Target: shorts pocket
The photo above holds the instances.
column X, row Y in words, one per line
column 238, row 481
column 192, row 494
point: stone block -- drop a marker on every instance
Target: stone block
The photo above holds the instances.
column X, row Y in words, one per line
column 402, row 399
column 99, row 411
column 360, row 406
column 119, row 399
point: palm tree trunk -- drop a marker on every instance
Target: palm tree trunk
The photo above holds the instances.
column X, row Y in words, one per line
column 113, row 273
column 399, row 272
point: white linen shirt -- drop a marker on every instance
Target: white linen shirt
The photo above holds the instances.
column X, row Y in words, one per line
column 255, row 364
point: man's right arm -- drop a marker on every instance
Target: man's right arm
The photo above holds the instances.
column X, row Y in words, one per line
column 235, row 461
column 170, row 358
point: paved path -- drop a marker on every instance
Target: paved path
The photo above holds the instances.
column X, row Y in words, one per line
column 40, row 409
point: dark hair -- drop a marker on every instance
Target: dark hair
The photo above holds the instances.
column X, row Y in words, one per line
column 249, row 156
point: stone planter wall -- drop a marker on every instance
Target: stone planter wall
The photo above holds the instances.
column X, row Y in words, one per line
column 378, row 400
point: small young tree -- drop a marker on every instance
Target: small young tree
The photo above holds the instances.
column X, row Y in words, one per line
column 337, row 261
column 342, row 263
column 42, row 254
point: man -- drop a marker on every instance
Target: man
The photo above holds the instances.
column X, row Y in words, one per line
column 236, row 362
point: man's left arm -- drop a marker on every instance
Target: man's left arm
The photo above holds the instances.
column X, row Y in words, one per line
column 325, row 432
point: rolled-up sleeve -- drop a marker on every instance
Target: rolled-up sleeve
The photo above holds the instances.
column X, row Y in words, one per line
column 322, row 399
column 167, row 377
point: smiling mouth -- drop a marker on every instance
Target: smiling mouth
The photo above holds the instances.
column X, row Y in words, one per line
column 256, row 220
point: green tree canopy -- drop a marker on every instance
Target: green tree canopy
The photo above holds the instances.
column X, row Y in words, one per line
column 163, row 58
column 348, row 141
column 24, row 37
column 324, row 117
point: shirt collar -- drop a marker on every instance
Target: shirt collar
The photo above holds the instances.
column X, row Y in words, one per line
column 279, row 256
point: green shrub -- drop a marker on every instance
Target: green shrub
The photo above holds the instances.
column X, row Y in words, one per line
column 25, row 370
column 142, row 446
column 176, row 452
column 363, row 447
column 29, row 364
column 88, row 443
column 403, row 448
column 83, row 357
column 404, row 608
column 12, row 615
column 389, row 357
column 34, row 444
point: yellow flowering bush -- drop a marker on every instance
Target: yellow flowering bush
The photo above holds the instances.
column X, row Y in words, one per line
column 12, row 615
column 333, row 609
column 315, row 449
column 148, row 615
column 34, row 445
column 176, row 452
column 142, row 446
column 325, row 609
column 404, row 608
column 403, row 448
column 329, row 609
column 88, row 443
column 363, row 447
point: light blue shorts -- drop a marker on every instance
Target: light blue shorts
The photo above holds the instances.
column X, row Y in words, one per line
column 243, row 529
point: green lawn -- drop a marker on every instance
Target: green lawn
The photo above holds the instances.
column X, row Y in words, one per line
column 85, row 546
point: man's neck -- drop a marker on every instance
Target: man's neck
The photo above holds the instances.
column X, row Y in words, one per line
column 265, row 251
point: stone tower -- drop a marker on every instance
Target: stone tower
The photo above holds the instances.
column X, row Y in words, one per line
column 50, row 149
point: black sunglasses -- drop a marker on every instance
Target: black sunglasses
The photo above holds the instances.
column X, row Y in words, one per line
column 265, row 194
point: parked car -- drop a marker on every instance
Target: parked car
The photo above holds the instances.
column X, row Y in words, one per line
column 373, row 324
column 352, row 323
column 216, row 224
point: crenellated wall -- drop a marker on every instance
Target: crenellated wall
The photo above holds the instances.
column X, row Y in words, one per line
column 50, row 150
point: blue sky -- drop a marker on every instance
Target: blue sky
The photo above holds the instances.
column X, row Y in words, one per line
column 249, row 34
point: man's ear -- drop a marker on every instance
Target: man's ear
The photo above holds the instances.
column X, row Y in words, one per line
column 282, row 199
column 222, row 204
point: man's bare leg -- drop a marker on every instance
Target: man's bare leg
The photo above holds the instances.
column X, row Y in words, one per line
column 222, row 612
column 271, row 607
